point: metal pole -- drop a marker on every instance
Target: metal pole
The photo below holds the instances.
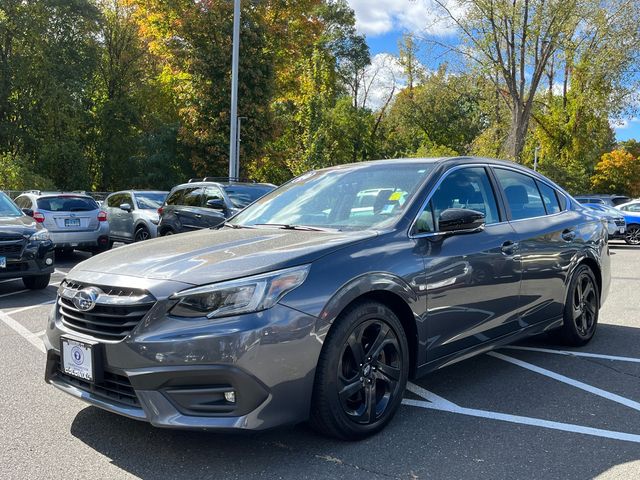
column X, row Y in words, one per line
column 240, row 119
column 233, row 137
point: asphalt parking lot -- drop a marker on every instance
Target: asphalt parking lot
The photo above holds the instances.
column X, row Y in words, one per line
column 533, row 411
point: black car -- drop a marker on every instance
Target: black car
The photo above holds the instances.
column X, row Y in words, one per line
column 321, row 299
column 206, row 203
column 26, row 251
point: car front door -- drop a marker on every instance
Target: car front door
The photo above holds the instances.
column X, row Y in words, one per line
column 548, row 240
column 126, row 216
column 113, row 203
column 473, row 279
column 190, row 212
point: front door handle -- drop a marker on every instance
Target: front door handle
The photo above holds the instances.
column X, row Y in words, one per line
column 509, row 247
column 568, row 235
column 197, row 215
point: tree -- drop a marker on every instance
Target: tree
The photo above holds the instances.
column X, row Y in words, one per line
column 617, row 172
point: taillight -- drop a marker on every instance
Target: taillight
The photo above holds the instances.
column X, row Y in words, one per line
column 160, row 211
column 102, row 216
column 38, row 217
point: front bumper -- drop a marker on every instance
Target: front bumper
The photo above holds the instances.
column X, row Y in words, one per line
column 174, row 373
column 36, row 258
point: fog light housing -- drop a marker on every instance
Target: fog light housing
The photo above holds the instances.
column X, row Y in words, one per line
column 49, row 261
column 230, row 396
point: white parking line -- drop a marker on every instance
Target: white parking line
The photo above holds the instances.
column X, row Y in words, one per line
column 22, row 331
column 54, row 284
column 569, row 381
column 535, row 422
column 574, row 354
column 30, row 307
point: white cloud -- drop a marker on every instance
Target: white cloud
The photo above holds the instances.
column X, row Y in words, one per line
column 623, row 123
column 384, row 77
column 377, row 17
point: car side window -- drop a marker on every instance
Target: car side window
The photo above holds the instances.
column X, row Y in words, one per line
column 212, row 193
column 549, row 198
column 175, row 197
column 521, row 193
column 116, row 200
column 23, row 202
column 126, row 198
column 192, row 197
column 467, row 188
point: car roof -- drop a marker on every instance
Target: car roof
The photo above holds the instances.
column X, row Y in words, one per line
column 223, row 184
column 139, row 191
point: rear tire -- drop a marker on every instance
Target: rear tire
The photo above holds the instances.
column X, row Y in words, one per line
column 37, row 282
column 141, row 235
column 361, row 374
column 581, row 309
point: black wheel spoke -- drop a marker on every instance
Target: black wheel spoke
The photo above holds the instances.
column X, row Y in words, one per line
column 379, row 342
column 387, row 372
column 350, row 389
column 369, row 414
column 356, row 346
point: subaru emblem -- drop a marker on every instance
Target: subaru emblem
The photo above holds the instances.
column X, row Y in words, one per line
column 85, row 299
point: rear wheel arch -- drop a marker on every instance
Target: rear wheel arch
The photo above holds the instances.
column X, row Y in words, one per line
column 595, row 268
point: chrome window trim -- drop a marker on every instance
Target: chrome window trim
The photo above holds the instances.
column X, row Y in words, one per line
column 492, row 166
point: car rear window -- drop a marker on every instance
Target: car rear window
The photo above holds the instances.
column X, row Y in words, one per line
column 67, row 204
column 242, row 196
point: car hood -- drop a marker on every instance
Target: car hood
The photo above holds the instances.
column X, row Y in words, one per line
column 208, row 256
column 22, row 225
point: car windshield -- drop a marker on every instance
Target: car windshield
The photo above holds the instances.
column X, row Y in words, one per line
column 8, row 208
column 241, row 196
column 67, row 203
column 150, row 200
column 344, row 198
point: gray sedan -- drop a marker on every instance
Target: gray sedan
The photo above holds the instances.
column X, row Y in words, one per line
column 133, row 214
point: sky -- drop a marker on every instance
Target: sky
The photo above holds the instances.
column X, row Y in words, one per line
column 384, row 21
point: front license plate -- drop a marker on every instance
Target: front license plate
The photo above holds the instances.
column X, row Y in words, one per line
column 622, row 230
column 3, row 262
column 77, row 359
column 71, row 222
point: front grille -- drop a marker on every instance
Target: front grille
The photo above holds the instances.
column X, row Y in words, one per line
column 113, row 386
column 10, row 249
column 11, row 237
column 16, row 267
column 116, row 312
column 620, row 223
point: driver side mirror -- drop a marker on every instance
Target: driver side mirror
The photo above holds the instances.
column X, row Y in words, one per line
column 460, row 220
column 216, row 204
column 125, row 206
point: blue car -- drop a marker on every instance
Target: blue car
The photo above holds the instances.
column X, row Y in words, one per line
column 630, row 233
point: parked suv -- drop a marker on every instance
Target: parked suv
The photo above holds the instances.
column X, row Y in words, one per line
column 314, row 303
column 603, row 199
column 26, row 251
column 206, row 203
column 133, row 214
column 74, row 220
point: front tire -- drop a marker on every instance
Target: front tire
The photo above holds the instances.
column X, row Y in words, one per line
column 581, row 309
column 632, row 235
column 37, row 282
column 361, row 374
column 141, row 235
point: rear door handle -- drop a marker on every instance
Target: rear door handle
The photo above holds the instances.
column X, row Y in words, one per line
column 568, row 235
column 197, row 215
column 509, row 247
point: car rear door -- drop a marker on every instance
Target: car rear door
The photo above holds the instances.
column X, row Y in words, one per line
column 189, row 213
column 548, row 240
column 473, row 280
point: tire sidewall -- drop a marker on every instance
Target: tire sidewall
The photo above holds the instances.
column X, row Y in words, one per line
column 569, row 328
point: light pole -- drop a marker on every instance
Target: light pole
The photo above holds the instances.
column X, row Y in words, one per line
column 237, row 163
column 235, row 56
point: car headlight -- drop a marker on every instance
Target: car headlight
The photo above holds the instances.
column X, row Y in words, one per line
column 40, row 236
column 244, row 295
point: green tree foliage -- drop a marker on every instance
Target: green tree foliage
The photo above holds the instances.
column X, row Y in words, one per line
column 617, row 172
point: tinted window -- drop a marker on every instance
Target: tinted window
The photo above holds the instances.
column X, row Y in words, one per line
column 241, row 196
column 213, row 193
column 192, row 197
column 329, row 198
column 634, row 207
column 521, row 193
column 549, row 198
column 467, row 188
column 150, row 200
column 112, row 200
column 67, row 204
column 8, row 208
column 175, row 197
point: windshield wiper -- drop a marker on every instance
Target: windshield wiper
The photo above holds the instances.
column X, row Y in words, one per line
column 287, row 226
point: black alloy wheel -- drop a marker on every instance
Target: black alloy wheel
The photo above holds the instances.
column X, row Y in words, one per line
column 362, row 373
column 141, row 235
column 581, row 308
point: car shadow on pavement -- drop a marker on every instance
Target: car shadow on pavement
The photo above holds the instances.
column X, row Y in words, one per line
column 418, row 443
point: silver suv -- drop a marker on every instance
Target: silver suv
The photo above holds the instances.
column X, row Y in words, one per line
column 74, row 220
column 133, row 214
